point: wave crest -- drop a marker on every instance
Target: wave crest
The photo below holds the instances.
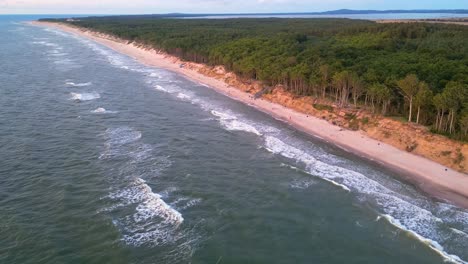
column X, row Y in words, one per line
column 78, row 84
column 85, row 96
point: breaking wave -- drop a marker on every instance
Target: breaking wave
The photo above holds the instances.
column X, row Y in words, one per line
column 142, row 215
column 153, row 222
column 101, row 110
column 183, row 96
column 160, row 88
column 434, row 245
column 78, row 84
column 85, row 96
column 231, row 122
column 405, row 212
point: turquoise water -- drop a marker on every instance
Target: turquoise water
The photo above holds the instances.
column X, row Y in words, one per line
column 105, row 160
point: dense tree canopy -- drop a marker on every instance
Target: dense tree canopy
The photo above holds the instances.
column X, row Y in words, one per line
column 416, row 70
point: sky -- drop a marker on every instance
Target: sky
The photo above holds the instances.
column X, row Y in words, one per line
column 212, row 6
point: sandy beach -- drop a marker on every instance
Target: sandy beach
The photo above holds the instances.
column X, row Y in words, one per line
column 433, row 178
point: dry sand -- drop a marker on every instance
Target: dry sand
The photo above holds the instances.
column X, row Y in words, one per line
column 435, row 179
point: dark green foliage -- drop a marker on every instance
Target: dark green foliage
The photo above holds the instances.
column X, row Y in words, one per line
column 322, row 107
column 349, row 61
column 365, row 121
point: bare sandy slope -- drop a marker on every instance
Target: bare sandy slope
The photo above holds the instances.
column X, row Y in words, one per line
column 435, row 179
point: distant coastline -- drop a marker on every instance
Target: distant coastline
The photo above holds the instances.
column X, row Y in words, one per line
column 431, row 177
column 341, row 13
column 454, row 21
column 462, row 12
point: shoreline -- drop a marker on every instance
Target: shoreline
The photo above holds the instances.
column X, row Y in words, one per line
column 436, row 180
column 462, row 21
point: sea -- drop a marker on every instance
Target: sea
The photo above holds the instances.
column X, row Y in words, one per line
column 106, row 160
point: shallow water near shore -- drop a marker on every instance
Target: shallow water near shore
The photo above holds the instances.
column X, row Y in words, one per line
column 105, row 160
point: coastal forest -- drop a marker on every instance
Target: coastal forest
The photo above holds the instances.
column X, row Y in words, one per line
column 415, row 71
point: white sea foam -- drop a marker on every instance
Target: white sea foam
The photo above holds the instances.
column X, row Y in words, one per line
column 454, row 216
column 47, row 44
column 183, row 96
column 52, row 45
column 190, row 203
column 101, row 110
column 142, row 215
column 290, row 166
column 152, row 205
column 40, row 38
column 113, row 58
column 420, row 221
column 231, row 122
column 223, row 115
column 59, row 54
column 122, row 135
column 160, row 88
column 228, row 120
column 342, row 186
column 236, row 125
column 140, row 153
column 434, row 245
column 85, row 96
column 459, row 231
column 168, row 191
column 302, row 184
column 183, row 203
column 78, row 84
column 179, row 201
column 153, row 221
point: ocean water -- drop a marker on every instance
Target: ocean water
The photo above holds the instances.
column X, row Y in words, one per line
column 105, row 160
